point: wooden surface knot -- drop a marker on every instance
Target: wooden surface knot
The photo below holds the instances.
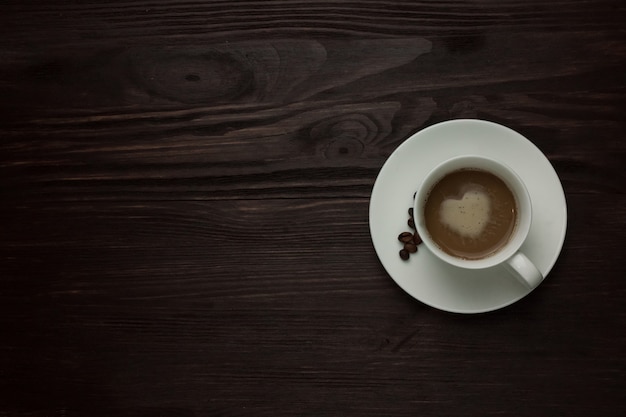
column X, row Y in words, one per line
column 192, row 76
column 345, row 135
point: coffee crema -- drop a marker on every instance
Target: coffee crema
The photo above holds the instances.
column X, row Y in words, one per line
column 470, row 213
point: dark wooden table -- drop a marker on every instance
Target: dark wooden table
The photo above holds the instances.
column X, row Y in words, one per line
column 184, row 199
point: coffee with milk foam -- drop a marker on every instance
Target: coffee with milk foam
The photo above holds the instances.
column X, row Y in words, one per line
column 470, row 213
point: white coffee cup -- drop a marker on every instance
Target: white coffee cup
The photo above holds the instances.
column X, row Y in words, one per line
column 508, row 255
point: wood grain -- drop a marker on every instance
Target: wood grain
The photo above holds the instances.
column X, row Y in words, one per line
column 200, row 293
column 165, row 20
column 305, row 123
column 184, row 191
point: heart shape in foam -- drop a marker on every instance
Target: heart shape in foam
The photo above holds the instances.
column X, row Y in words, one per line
column 468, row 216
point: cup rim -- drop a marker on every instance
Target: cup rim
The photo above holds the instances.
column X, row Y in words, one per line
column 511, row 179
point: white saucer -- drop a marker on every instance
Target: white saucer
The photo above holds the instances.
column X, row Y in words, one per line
column 424, row 276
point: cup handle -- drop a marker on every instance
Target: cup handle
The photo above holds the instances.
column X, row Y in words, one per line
column 524, row 270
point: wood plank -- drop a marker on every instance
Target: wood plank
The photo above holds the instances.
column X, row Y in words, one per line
column 233, row 120
column 165, row 21
column 325, row 153
column 196, row 81
column 185, row 306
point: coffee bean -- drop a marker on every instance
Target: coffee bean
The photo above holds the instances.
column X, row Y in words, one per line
column 405, row 237
column 410, row 240
column 410, row 247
